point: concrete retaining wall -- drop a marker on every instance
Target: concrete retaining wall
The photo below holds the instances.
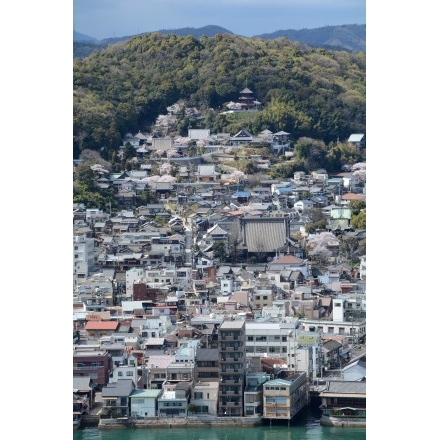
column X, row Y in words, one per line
column 352, row 422
column 150, row 422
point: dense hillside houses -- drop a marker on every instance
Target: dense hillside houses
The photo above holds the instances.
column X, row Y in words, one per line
column 201, row 291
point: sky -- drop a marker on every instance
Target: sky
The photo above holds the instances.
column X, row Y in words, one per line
column 119, row 18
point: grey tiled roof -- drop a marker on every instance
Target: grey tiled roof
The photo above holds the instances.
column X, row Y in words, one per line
column 122, row 388
column 345, row 387
column 263, row 236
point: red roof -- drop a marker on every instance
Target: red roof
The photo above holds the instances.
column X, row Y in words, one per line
column 353, row 196
column 288, row 259
column 101, row 325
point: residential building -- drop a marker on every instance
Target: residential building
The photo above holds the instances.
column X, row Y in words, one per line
column 284, row 398
column 232, row 361
column 127, row 370
column 173, row 402
column 116, row 398
column 204, row 397
column 253, row 393
column 207, row 365
column 132, row 275
column 83, row 257
column 267, row 339
column 143, row 403
column 92, row 362
column 344, row 404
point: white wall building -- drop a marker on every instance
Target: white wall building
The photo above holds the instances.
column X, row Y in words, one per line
column 128, row 371
column 133, row 275
column 270, row 339
column 83, row 256
column 204, row 396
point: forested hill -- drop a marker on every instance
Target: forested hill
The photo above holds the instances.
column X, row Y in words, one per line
column 307, row 92
column 342, row 37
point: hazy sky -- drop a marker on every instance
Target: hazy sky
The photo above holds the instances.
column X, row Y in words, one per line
column 118, row 18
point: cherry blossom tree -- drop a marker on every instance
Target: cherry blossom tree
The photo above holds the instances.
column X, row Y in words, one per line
column 182, row 140
column 165, row 168
column 318, row 245
column 235, row 176
column 172, row 152
column 155, row 179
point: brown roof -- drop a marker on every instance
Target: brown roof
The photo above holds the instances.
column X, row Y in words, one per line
column 101, row 325
column 288, row 259
column 353, row 196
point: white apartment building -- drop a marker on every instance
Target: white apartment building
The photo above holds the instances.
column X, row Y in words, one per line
column 274, row 339
column 160, row 277
column 133, row 275
column 128, row 371
column 83, row 256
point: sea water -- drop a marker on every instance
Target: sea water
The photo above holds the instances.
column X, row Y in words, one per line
column 305, row 426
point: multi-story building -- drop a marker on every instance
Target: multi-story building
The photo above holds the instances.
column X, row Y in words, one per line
column 356, row 330
column 128, row 370
column 284, row 398
column 96, row 363
column 133, row 275
column 232, row 364
column 204, row 397
column 270, row 339
column 207, row 365
column 83, row 256
column 173, row 402
column 262, row 298
column 253, row 393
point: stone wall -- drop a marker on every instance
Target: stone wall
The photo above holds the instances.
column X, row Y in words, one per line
column 203, row 421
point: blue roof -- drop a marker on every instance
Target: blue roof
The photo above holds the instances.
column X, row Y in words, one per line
column 242, row 193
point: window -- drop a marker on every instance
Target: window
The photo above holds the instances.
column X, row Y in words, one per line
column 129, row 373
column 120, row 373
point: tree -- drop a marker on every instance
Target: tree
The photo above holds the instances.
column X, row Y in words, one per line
column 92, row 157
column 219, row 250
column 359, row 221
column 356, row 206
column 129, row 151
column 85, row 176
column 316, row 219
column 310, row 153
column 352, row 247
column 341, row 154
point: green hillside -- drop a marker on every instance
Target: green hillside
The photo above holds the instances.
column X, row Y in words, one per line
column 307, row 92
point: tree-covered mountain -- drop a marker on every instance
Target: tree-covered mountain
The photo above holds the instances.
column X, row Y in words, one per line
column 305, row 91
column 344, row 37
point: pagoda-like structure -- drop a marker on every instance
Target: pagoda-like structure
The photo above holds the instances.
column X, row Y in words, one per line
column 247, row 100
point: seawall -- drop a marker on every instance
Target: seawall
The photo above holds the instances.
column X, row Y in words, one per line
column 193, row 422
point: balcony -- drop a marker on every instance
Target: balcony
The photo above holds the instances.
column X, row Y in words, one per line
column 87, row 368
